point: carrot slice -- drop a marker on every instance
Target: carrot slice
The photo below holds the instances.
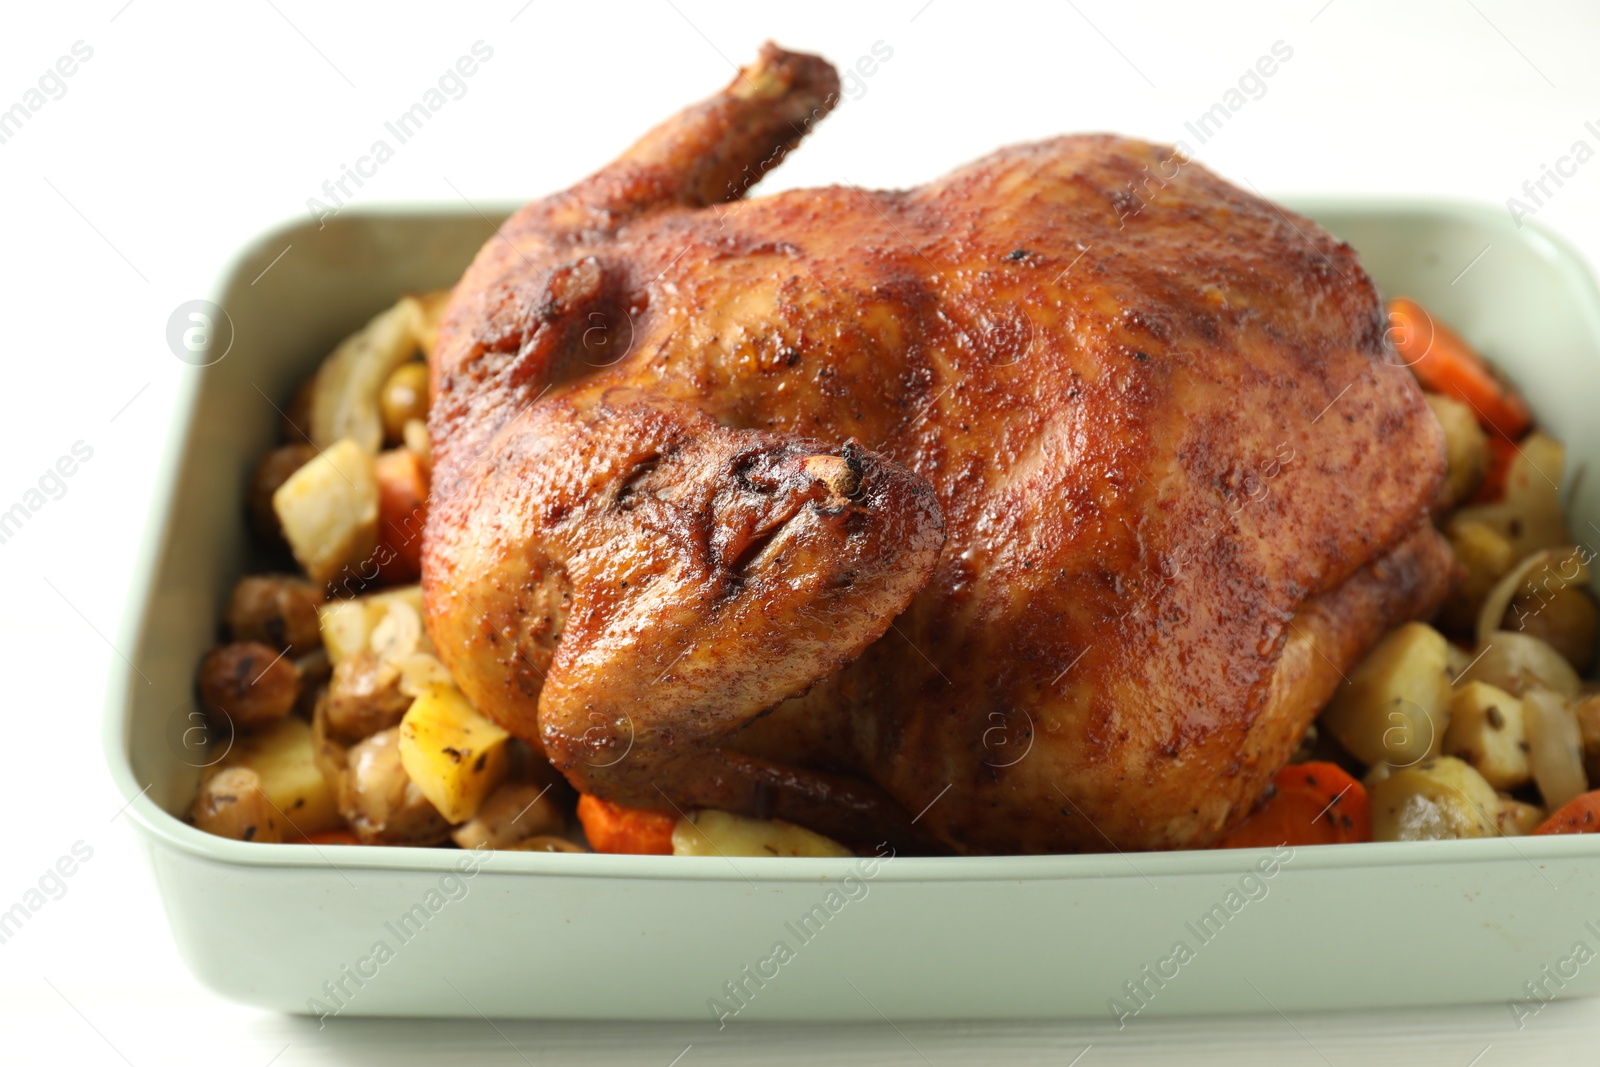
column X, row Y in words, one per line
column 1445, row 363
column 1314, row 804
column 1580, row 815
column 1493, row 487
column 614, row 828
column 402, row 510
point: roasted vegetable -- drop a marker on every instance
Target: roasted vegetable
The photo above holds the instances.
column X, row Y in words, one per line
column 404, row 397
column 1310, row 804
column 402, row 510
column 364, row 696
column 273, row 470
column 1486, row 730
column 1435, row 799
column 232, row 804
column 1517, row 663
column 329, row 512
column 613, row 828
column 1565, row 619
column 717, row 833
column 1466, row 447
column 381, row 802
column 1444, row 363
column 1587, row 713
column 344, row 401
column 315, row 669
column 431, row 307
column 418, row 443
column 1516, row 818
column 512, row 814
column 247, row 685
column 1529, row 515
column 277, row 610
column 453, row 754
column 284, row 759
column 1487, row 556
column 1580, row 815
column 1493, row 487
column 1555, row 747
column 347, row 625
column 1521, row 592
column 1395, row 706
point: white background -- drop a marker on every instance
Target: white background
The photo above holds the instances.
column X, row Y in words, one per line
column 195, row 126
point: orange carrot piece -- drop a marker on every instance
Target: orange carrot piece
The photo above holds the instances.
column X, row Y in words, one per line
column 1446, row 364
column 614, row 828
column 1493, row 487
column 402, row 509
column 1580, row 815
column 1315, row 804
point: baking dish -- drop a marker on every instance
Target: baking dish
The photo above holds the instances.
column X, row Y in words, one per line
column 399, row 931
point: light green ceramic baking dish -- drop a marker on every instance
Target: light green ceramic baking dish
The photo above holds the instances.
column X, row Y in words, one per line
column 396, row 931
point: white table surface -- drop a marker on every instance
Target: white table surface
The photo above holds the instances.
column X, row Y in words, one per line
column 194, row 126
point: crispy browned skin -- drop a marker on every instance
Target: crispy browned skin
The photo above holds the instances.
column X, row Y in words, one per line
column 1112, row 443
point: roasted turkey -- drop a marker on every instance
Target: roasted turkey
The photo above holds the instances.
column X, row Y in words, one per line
column 1036, row 509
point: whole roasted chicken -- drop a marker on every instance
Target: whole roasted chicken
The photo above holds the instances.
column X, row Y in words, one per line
column 1039, row 508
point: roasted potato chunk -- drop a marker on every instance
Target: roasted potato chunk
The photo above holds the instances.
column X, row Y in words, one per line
column 381, row 802
column 510, row 815
column 1486, row 730
column 1395, row 707
column 273, row 470
column 1530, row 516
column 1517, row 819
column 1565, row 619
column 418, row 442
column 1466, row 447
column 452, row 753
column 404, row 397
column 364, row 697
column 277, row 610
column 348, row 625
column 232, row 804
column 284, row 760
column 247, row 684
column 718, row 833
column 1438, row 798
column 329, row 512
column 1488, row 555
